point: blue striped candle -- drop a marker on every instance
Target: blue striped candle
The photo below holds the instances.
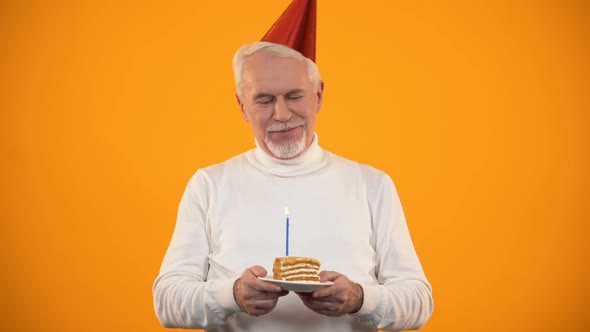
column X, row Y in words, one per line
column 287, row 232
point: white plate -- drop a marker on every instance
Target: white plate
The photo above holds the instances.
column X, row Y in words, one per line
column 298, row 286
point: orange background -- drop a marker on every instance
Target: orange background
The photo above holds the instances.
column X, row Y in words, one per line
column 477, row 109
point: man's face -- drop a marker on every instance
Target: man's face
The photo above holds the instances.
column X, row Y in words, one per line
column 280, row 103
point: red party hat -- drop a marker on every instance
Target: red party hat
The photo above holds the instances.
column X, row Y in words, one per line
column 296, row 28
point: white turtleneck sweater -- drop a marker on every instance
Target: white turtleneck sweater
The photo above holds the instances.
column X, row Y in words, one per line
column 345, row 214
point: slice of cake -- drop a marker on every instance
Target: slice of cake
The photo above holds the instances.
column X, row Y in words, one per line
column 296, row 269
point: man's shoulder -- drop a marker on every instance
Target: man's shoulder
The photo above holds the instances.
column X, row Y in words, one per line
column 218, row 169
column 367, row 171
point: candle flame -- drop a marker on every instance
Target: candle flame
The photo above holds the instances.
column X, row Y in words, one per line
column 287, row 211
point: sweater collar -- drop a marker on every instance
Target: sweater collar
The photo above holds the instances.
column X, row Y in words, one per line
column 312, row 159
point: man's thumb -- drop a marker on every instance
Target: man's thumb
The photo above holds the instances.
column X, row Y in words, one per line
column 258, row 271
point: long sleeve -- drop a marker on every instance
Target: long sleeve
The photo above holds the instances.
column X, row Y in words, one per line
column 183, row 297
column 231, row 218
column 403, row 298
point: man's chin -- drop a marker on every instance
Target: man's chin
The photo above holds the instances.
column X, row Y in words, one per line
column 283, row 143
column 284, row 140
column 286, row 149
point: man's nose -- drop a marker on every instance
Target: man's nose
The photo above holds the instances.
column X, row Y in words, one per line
column 282, row 112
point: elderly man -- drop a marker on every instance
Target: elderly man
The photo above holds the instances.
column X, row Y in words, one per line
column 345, row 214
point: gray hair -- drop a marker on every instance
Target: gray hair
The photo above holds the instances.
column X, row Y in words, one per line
column 276, row 50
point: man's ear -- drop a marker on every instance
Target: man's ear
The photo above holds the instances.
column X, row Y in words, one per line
column 241, row 108
column 320, row 95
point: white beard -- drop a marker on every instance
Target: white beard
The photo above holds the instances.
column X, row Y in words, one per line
column 286, row 150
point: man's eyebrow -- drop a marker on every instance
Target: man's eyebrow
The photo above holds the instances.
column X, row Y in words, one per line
column 294, row 91
column 261, row 95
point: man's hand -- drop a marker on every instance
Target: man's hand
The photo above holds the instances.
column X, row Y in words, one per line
column 341, row 298
column 254, row 296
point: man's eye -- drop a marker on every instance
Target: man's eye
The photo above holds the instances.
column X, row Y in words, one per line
column 295, row 97
column 266, row 101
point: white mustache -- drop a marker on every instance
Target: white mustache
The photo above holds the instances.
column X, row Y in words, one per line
column 284, row 126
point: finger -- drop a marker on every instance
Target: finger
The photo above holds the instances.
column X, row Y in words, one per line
column 316, row 304
column 264, row 286
column 302, row 295
column 260, row 307
column 251, row 280
column 328, row 291
column 264, row 304
column 341, row 284
column 258, row 271
column 260, row 311
column 329, row 313
column 255, row 296
column 328, row 276
column 326, row 299
column 325, row 308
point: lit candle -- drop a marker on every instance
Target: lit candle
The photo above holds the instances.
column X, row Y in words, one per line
column 287, row 231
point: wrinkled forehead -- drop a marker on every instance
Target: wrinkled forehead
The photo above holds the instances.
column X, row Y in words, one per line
column 270, row 73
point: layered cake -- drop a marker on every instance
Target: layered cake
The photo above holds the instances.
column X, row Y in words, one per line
column 296, row 269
